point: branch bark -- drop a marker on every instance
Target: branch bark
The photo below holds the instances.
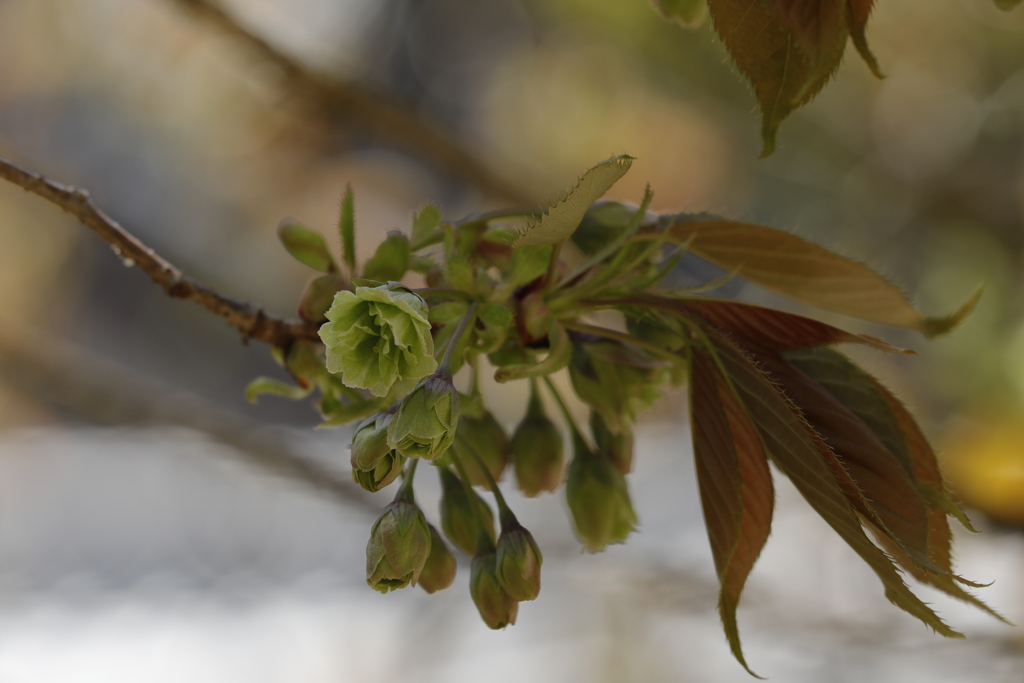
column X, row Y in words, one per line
column 252, row 322
column 368, row 110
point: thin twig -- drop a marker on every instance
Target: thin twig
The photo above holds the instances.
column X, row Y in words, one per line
column 368, row 110
column 251, row 321
column 103, row 392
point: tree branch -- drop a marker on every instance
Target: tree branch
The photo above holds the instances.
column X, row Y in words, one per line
column 367, row 110
column 252, row 322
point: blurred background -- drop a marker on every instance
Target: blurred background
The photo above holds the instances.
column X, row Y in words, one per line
column 142, row 540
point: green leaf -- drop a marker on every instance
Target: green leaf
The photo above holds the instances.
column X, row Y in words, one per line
column 686, row 13
column 788, row 440
column 269, row 385
column 391, row 259
column 459, row 272
column 735, row 484
column 529, row 263
column 558, row 357
column 496, row 315
column 561, row 219
column 424, row 224
column 448, row 312
column 795, row 268
column 318, row 296
column 347, row 229
column 306, row 246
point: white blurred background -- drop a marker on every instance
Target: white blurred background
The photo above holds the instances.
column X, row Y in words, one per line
column 139, row 543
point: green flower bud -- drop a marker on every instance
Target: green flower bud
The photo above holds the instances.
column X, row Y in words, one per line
column 497, row 608
column 598, row 498
column 399, row 546
column 464, row 514
column 439, row 571
column 537, row 451
column 378, row 338
column 518, row 563
column 374, row 463
column 485, row 437
column 615, row 379
column 425, row 424
column 618, row 447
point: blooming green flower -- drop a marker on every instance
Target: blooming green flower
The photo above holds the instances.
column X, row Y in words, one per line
column 425, row 424
column 378, row 338
column 399, row 546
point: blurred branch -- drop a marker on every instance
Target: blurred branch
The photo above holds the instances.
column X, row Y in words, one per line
column 103, row 392
column 252, row 322
column 370, row 111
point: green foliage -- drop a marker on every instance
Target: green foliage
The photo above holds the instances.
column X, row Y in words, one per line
column 765, row 386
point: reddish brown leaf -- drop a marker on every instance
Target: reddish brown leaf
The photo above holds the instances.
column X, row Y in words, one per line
column 774, row 329
column 860, row 10
column 735, row 485
column 815, row 23
column 793, row 267
column 789, row 442
column 874, row 480
column 784, row 75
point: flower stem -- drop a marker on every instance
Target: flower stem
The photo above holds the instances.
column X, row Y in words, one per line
column 446, row 367
column 405, row 490
column 565, row 413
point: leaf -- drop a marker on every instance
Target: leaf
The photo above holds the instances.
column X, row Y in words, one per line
column 347, row 229
column 391, row 259
column 1007, row 4
column 774, row 329
column 735, row 486
column 793, row 267
column 561, row 219
column 814, row 23
column 306, row 246
column 496, row 315
column 269, row 385
column 319, row 295
column 558, row 357
column 686, row 13
column 775, row 61
column 860, row 10
column 424, row 224
column 788, row 441
column 873, row 479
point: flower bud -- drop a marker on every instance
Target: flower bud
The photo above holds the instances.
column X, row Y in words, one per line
column 598, row 498
column 378, row 338
column 464, row 514
column 518, row 563
column 425, row 424
column 399, row 546
column 497, row 608
column 537, row 451
column 615, row 379
column 439, row 571
column 482, row 438
column 374, row 463
column 618, row 447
